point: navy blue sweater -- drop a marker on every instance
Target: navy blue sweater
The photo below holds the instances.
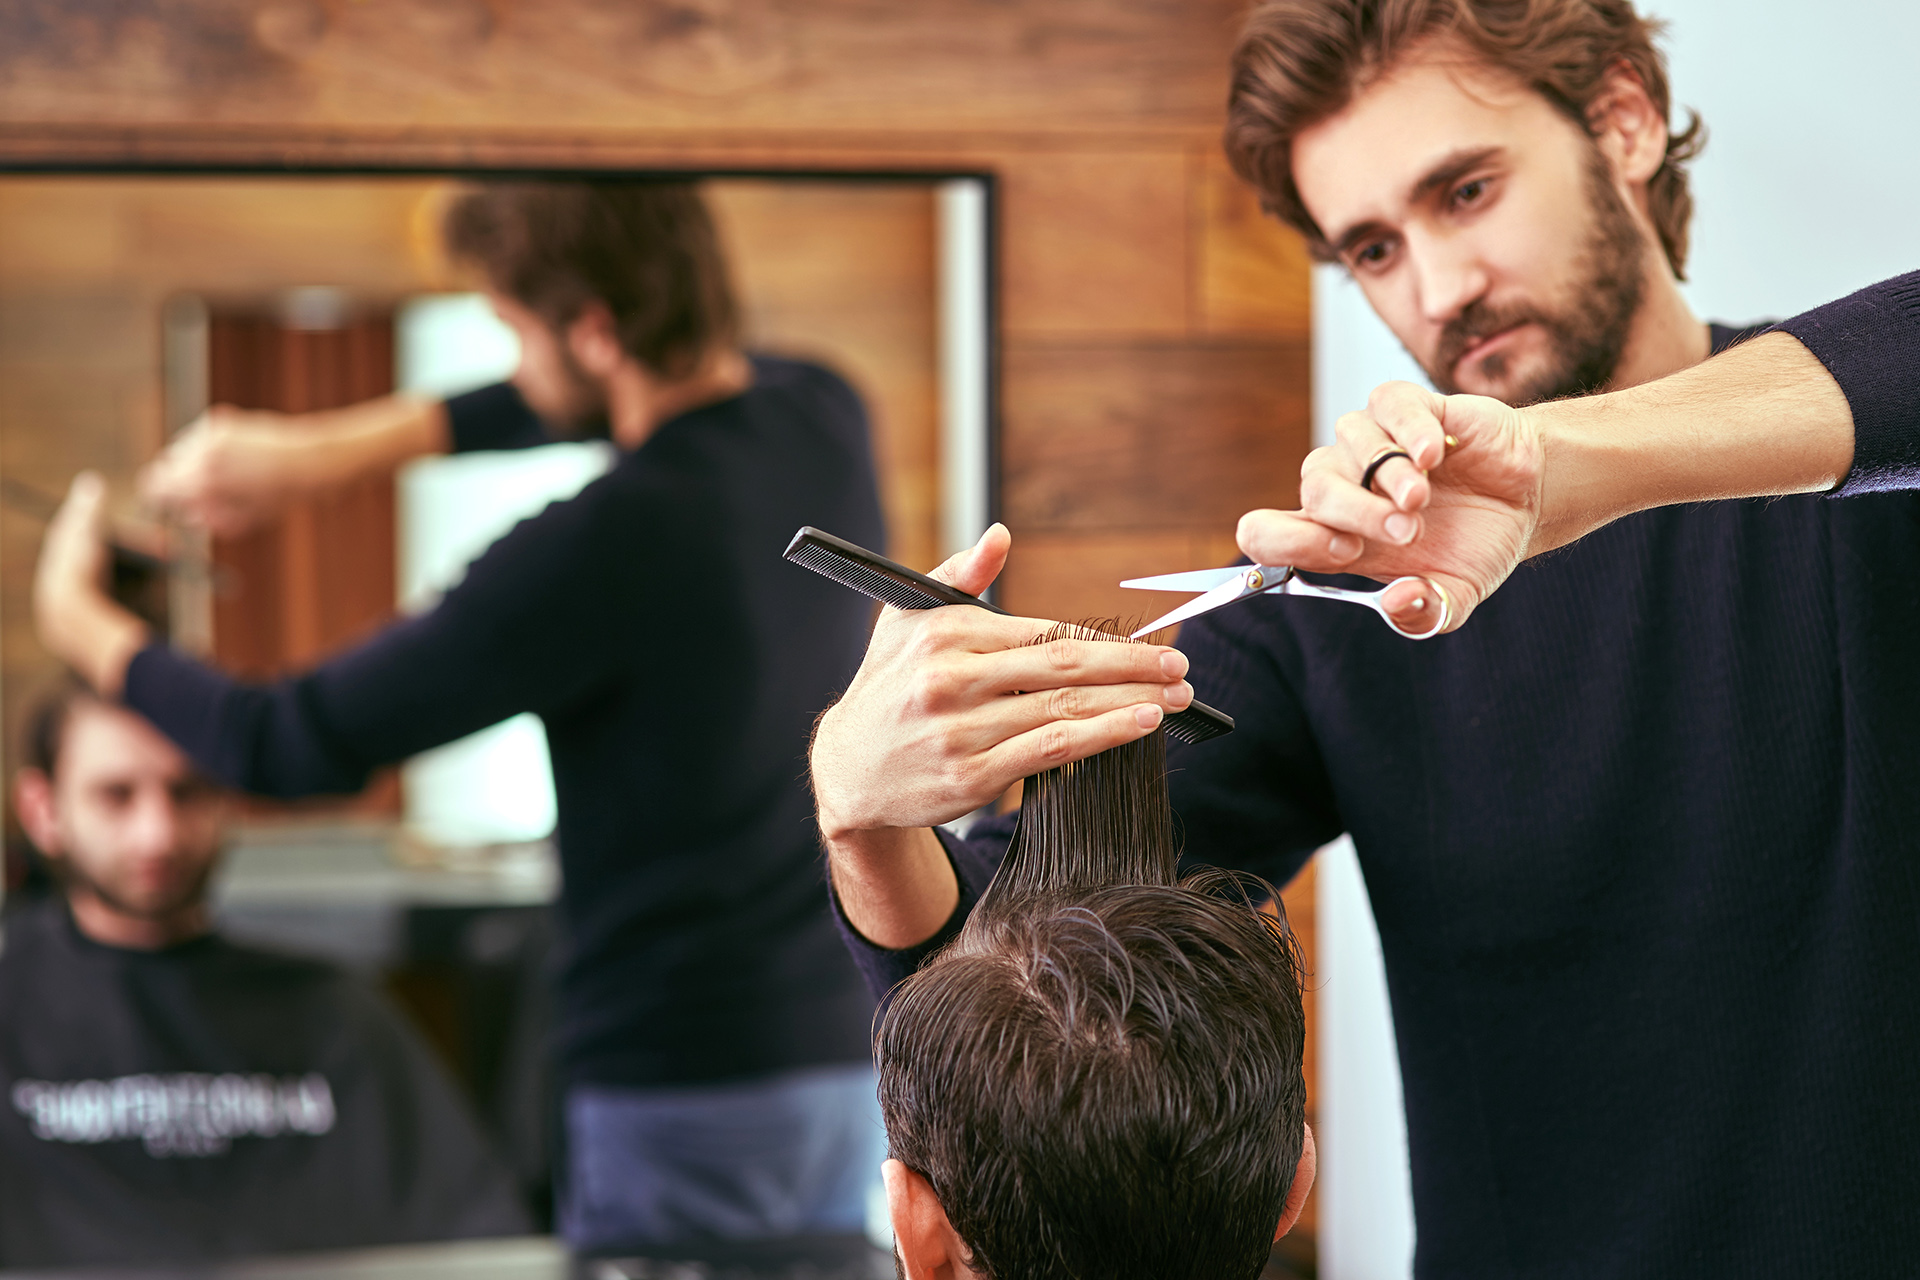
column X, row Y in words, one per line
column 677, row 662
column 1643, row 841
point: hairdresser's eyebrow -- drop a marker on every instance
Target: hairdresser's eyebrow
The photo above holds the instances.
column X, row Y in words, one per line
column 1439, row 178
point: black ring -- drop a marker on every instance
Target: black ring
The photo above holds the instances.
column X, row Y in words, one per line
column 1366, row 477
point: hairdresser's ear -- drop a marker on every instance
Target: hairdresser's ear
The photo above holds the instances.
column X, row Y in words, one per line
column 1302, row 1183
column 594, row 340
column 1629, row 130
column 923, row 1240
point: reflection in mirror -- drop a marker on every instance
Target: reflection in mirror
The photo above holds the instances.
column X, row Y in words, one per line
column 129, row 304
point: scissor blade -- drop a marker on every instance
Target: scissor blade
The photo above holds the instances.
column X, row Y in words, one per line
column 1197, row 580
column 1226, row 593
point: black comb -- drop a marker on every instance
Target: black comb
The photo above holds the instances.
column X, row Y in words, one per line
column 873, row 575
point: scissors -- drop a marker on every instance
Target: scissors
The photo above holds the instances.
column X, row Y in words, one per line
column 1234, row 583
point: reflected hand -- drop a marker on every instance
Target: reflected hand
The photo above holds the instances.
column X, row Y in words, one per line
column 230, row 470
column 78, row 621
column 1460, row 515
column 952, row 706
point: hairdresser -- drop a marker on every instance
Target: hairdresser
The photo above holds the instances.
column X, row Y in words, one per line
column 712, row 1034
column 1638, row 840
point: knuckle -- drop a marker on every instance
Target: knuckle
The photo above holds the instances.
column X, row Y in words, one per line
column 1067, row 703
column 1062, row 655
column 1054, row 745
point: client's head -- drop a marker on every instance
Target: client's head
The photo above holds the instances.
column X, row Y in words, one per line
column 1101, row 1075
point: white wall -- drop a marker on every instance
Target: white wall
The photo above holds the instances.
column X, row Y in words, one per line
column 1809, row 188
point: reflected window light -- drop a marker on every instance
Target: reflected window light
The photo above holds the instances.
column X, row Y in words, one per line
column 494, row 786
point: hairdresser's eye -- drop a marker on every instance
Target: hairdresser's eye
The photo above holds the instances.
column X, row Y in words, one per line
column 1371, row 255
column 1468, row 194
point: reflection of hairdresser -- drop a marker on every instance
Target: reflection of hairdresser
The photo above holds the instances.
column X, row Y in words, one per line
column 168, row 1096
column 712, row 1034
column 1769, row 417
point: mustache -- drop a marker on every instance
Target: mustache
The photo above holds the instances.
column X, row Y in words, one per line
column 1476, row 322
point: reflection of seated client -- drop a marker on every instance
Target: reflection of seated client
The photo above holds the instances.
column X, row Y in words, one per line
column 1101, row 1075
column 168, row 1095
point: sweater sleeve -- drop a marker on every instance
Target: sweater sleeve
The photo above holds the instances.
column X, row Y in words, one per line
column 540, row 619
column 975, row 858
column 494, row 417
column 1870, row 342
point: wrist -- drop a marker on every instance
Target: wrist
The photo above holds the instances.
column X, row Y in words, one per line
column 92, row 635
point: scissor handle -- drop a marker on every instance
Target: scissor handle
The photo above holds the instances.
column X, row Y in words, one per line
column 1298, row 586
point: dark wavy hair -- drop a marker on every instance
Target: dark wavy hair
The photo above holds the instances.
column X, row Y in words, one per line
column 1300, row 61
column 647, row 249
column 1101, row 1075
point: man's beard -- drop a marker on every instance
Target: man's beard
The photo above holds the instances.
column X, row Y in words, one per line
column 584, row 416
column 190, row 894
column 1586, row 341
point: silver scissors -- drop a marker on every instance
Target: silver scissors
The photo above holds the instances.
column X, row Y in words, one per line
column 1241, row 582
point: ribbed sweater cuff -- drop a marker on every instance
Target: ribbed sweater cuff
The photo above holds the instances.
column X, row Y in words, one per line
column 1870, row 342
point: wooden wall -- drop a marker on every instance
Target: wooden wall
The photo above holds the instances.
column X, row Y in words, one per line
column 1154, row 326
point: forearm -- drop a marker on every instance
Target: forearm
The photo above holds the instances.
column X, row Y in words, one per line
column 1764, row 419
column 372, row 438
column 896, row 886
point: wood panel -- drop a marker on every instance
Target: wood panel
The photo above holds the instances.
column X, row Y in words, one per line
column 1096, row 245
column 740, row 66
column 1123, row 438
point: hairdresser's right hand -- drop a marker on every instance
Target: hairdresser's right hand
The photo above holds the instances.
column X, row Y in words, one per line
column 950, row 708
column 230, row 470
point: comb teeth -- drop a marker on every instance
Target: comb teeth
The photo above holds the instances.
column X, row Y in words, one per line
column 1198, row 723
column 864, row 579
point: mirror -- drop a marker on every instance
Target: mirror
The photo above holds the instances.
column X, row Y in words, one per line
column 129, row 302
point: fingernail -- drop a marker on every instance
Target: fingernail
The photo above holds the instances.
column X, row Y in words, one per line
column 1419, row 605
column 1400, row 527
column 1173, row 664
column 1146, row 716
column 1178, row 695
column 1343, row 546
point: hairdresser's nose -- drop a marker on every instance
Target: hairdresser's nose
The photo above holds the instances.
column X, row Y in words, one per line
column 1448, row 274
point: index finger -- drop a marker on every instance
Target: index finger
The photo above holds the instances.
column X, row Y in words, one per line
column 1410, row 414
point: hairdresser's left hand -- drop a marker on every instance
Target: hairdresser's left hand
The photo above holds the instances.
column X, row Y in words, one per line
column 1461, row 517
column 77, row 619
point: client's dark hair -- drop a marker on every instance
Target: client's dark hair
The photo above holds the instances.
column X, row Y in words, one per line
column 646, row 249
column 1100, row 1077
column 47, row 725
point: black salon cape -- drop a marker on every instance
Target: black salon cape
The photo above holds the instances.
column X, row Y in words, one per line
column 1643, row 843
column 210, row 1101
column 677, row 662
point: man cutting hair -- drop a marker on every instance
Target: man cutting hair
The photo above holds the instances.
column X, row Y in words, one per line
column 1636, row 839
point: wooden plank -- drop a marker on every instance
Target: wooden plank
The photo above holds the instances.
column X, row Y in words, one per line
column 743, row 66
column 1095, row 245
column 1152, row 436
column 1252, row 272
column 1075, row 576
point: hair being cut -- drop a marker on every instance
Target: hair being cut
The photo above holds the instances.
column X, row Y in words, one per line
column 1101, row 1075
column 646, row 249
column 1300, row 61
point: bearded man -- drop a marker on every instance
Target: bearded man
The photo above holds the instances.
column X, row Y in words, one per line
column 168, row 1096
column 1635, row 839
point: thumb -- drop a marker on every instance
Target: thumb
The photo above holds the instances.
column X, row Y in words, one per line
column 974, row 569
column 85, row 504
